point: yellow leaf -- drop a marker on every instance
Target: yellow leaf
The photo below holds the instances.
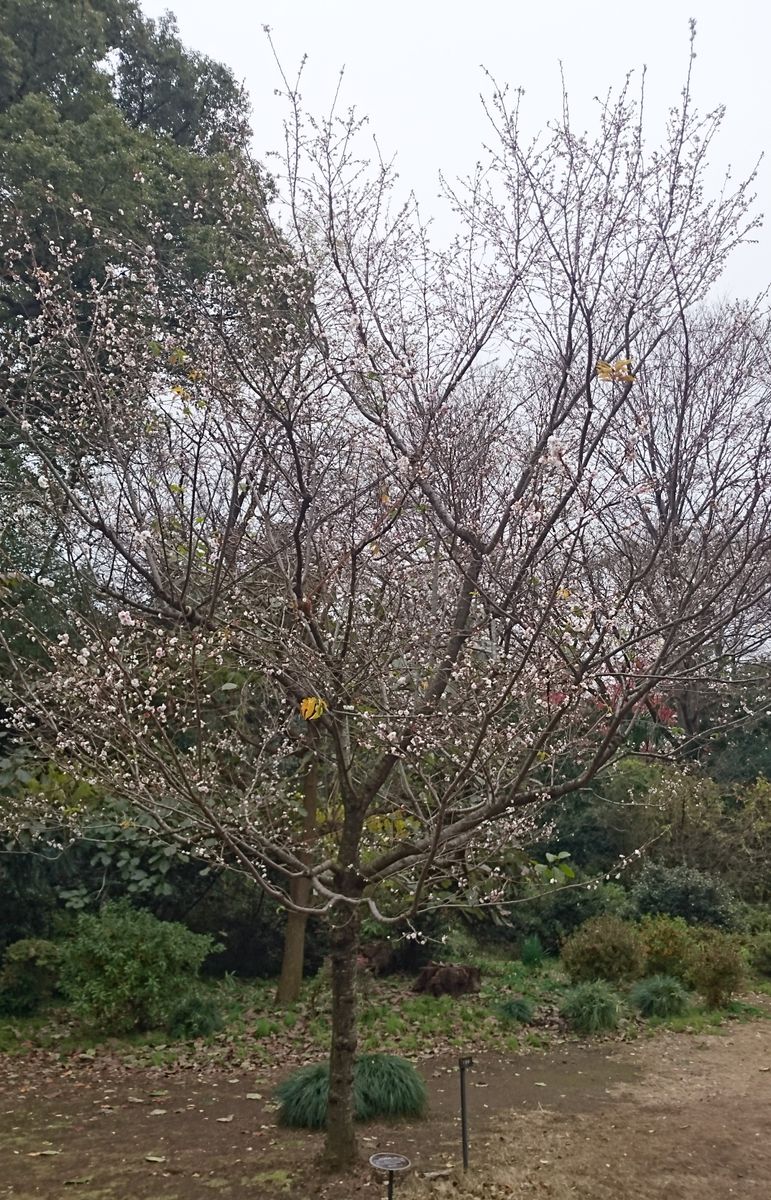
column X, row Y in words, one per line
column 312, row 707
column 619, row 372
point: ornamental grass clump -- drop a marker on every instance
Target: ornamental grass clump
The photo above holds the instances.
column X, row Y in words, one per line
column 660, row 996
column 303, row 1098
column 387, row 1086
column 516, row 1009
column 591, row 1007
column 194, row 1016
column 384, row 1085
column 532, row 953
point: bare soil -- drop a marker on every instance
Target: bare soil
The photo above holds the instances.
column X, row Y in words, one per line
column 675, row 1115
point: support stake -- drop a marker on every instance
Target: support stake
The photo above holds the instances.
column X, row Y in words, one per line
column 464, row 1064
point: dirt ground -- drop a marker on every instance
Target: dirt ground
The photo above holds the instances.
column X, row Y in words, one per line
column 676, row 1115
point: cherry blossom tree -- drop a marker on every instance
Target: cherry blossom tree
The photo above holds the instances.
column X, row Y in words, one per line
column 359, row 577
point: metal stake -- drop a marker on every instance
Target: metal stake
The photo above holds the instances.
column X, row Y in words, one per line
column 463, row 1063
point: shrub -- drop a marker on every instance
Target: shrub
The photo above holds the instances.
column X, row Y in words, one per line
column 760, row 953
column 194, row 1016
column 755, row 918
column 123, row 968
column 383, row 1086
column 717, row 968
column 660, row 996
column 604, row 948
column 591, row 1007
column 685, row 892
column 516, row 1008
column 555, row 915
column 668, row 945
column 29, row 976
column 532, row 953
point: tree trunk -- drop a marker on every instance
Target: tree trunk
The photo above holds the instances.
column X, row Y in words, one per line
column 340, row 1148
column 290, row 981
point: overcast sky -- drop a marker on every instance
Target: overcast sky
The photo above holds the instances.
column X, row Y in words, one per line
column 416, row 69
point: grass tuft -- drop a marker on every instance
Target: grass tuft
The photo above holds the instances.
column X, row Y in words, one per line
column 591, row 1007
column 303, row 1098
column 660, row 996
column 383, row 1086
column 532, row 953
column 516, row 1009
column 387, row 1086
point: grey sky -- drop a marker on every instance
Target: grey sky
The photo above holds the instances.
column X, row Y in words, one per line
column 415, row 69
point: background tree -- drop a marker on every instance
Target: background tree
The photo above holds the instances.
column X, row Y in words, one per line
column 436, row 508
column 104, row 112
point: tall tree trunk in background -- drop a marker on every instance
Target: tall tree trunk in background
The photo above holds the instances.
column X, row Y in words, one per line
column 340, row 1149
column 290, row 981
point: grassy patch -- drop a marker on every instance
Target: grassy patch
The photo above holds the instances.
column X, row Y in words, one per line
column 393, row 1020
column 705, row 1020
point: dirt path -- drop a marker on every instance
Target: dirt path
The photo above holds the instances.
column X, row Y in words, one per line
column 694, row 1125
column 676, row 1116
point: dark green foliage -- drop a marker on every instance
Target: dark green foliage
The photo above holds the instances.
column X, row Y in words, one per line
column 387, row 1086
column 760, row 953
column 718, row 967
column 41, row 896
column 668, row 946
column 303, row 1098
column 553, row 915
column 517, row 1009
column 383, row 1086
column 660, row 996
column 604, row 948
column 100, row 102
column 194, row 1016
column 123, row 968
column 698, row 898
column 599, row 825
column 755, row 918
column 29, row 976
column 591, row 1007
column 532, row 953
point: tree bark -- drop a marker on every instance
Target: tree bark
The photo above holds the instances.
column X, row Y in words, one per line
column 290, row 980
column 341, row 1149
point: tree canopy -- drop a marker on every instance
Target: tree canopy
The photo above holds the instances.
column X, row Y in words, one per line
column 464, row 527
column 105, row 112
